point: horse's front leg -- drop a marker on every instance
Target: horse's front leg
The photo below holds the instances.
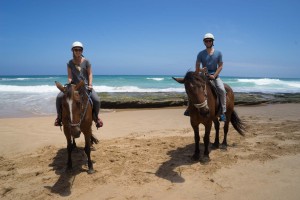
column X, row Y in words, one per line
column 69, row 148
column 196, row 155
column 87, row 150
column 216, row 144
column 206, row 142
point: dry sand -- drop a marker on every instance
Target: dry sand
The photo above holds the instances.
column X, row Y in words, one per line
column 145, row 154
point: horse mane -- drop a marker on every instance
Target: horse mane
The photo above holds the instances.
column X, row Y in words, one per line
column 197, row 79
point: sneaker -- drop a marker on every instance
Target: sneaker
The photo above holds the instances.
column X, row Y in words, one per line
column 186, row 112
column 99, row 123
column 223, row 118
column 58, row 122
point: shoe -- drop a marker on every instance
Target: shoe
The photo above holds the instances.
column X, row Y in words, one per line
column 223, row 118
column 186, row 113
column 58, row 122
column 99, row 123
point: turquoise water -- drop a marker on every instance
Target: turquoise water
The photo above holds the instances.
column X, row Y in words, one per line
column 35, row 95
column 45, row 84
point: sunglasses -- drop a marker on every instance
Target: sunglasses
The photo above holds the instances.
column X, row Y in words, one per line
column 207, row 41
column 77, row 49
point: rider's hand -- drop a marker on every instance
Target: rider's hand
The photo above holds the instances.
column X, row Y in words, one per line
column 212, row 77
column 90, row 87
column 204, row 70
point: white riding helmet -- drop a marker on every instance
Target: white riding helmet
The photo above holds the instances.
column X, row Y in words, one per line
column 209, row 36
column 77, row 44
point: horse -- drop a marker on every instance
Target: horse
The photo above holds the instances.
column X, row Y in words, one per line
column 204, row 108
column 77, row 118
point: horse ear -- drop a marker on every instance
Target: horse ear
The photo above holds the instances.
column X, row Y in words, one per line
column 79, row 85
column 59, row 86
column 179, row 80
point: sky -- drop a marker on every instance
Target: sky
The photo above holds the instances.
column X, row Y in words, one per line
column 258, row 38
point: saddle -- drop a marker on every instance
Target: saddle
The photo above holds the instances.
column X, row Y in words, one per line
column 215, row 93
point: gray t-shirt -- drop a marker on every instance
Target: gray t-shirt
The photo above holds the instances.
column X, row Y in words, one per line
column 210, row 61
column 79, row 72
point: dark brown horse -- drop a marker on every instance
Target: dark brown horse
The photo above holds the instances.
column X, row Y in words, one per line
column 203, row 108
column 77, row 118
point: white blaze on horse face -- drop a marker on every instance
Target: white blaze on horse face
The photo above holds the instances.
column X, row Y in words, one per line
column 70, row 102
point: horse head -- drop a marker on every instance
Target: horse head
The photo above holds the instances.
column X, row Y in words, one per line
column 195, row 87
column 72, row 106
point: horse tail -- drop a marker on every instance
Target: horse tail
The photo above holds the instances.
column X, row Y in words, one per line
column 238, row 124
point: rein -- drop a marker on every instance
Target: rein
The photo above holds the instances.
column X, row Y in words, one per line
column 203, row 104
column 82, row 116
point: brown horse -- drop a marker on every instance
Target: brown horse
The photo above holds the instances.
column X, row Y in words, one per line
column 203, row 108
column 77, row 118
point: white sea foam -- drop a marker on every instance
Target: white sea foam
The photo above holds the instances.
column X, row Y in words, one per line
column 135, row 89
column 53, row 89
column 155, row 79
column 26, row 78
column 262, row 81
column 28, row 89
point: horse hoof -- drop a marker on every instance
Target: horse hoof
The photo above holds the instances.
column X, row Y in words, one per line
column 93, row 148
column 195, row 157
column 205, row 160
column 215, row 146
column 91, row 171
column 223, row 147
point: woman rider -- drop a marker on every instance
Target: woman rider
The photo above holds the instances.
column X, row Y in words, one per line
column 79, row 68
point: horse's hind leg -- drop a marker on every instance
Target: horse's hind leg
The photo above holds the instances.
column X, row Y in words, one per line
column 216, row 144
column 87, row 150
column 226, row 127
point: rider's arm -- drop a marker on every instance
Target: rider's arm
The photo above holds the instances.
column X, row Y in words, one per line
column 90, row 75
column 197, row 67
column 219, row 69
column 69, row 74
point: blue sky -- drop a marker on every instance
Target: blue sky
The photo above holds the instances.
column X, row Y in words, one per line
column 258, row 38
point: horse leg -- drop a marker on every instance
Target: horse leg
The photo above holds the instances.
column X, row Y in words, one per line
column 87, row 150
column 196, row 155
column 69, row 148
column 216, row 144
column 74, row 144
column 224, row 143
column 206, row 142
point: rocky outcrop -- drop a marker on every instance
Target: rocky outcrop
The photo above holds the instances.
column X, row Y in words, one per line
column 161, row 99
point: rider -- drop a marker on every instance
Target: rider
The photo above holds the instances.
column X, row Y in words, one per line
column 212, row 64
column 78, row 69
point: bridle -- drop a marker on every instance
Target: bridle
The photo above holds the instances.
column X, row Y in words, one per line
column 204, row 103
column 82, row 114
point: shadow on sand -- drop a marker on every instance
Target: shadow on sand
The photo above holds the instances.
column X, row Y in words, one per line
column 63, row 185
column 170, row 170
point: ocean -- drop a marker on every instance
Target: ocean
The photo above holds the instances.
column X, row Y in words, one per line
column 22, row 96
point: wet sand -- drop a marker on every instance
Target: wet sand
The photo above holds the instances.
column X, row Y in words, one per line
column 145, row 154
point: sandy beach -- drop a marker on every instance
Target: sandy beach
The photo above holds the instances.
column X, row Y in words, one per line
column 145, row 154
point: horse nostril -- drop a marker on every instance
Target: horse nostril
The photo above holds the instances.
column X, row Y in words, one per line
column 75, row 132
